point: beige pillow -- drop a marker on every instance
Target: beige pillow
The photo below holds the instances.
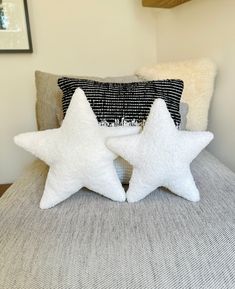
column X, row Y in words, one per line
column 49, row 101
column 198, row 76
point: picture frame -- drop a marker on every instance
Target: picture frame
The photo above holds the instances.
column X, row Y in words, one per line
column 15, row 34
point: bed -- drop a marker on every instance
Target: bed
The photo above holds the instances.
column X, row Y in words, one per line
column 89, row 241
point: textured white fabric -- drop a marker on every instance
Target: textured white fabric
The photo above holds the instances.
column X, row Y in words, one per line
column 76, row 154
column 198, row 76
column 124, row 169
column 161, row 156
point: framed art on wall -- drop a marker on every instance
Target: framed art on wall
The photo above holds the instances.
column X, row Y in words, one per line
column 15, row 33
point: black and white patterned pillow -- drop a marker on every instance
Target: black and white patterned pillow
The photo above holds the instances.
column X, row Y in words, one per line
column 124, row 103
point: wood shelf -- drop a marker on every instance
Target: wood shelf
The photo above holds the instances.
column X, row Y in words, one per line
column 163, row 3
column 3, row 188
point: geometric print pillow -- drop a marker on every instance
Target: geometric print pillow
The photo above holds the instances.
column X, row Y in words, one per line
column 128, row 104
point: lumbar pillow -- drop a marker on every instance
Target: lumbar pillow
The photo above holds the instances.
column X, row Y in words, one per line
column 76, row 154
column 161, row 156
column 124, row 103
column 198, row 76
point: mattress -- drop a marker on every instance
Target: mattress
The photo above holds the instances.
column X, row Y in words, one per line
column 89, row 241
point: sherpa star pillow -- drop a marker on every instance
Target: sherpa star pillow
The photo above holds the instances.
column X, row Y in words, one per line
column 161, row 156
column 76, row 154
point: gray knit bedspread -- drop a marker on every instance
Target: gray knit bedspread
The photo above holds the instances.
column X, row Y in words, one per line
column 89, row 241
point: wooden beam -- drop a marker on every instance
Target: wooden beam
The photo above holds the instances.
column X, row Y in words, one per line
column 163, row 3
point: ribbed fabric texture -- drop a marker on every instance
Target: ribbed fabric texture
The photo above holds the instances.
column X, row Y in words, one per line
column 124, row 103
column 91, row 242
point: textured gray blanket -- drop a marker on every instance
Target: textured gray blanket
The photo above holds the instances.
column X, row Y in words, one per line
column 89, row 241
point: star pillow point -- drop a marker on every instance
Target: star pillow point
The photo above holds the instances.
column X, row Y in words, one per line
column 77, row 155
column 161, row 156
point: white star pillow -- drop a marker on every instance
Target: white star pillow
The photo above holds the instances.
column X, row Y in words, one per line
column 76, row 154
column 161, row 156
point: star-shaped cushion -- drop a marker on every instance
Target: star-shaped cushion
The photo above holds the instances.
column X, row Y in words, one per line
column 161, row 156
column 77, row 154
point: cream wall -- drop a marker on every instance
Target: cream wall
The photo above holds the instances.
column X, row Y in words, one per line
column 105, row 37
column 206, row 28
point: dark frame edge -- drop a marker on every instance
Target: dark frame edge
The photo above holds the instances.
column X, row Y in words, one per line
column 30, row 49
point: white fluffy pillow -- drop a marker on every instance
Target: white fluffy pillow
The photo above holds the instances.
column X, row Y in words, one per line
column 198, row 76
column 161, row 155
column 76, row 154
